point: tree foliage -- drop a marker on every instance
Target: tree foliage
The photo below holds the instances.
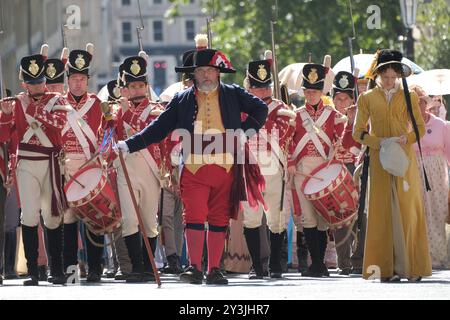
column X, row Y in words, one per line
column 241, row 29
column 433, row 47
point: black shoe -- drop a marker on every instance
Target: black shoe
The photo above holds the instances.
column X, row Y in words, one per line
column 216, row 277
column 192, row 275
column 11, row 275
column 276, row 275
column 93, row 277
column 312, row 272
column 344, row 272
column 42, row 273
column 60, row 279
column 324, row 270
column 110, row 274
column 1, row 280
column 415, row 279
column 394, row 278
column 120, row 276
column 356, row 271
column 253, row 275
column 33, row 281
column 134, row 277
column 173, row 265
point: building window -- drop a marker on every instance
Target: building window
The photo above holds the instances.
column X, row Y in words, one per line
column 191, row 1
column 190, row 30
column 126, row 2
column 157, row 1
column 158, row 30
column 126, row 32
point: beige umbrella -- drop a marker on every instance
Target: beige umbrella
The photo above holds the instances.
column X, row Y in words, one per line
column 291, row 77
column 435, row 82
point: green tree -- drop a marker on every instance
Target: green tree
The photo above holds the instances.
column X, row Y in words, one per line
column 433, row 47
column 242, row 30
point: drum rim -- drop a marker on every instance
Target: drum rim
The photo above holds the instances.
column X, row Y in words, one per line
column 320, row 167
column 103, row 181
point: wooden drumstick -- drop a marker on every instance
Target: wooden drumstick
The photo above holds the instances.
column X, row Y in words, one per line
column 309, row 176
column 70, row 177
column 141, row 224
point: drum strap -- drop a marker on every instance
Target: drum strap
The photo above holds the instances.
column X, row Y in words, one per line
column 314, row 133
column 80, row 127
column 38, row 132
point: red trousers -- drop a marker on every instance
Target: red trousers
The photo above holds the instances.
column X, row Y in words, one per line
column 206, row 195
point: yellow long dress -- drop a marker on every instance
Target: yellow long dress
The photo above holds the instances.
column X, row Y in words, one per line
column 392, row 120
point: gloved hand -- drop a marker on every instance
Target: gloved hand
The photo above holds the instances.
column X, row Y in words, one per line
column 121, row 146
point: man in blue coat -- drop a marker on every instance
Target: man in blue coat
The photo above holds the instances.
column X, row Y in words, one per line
column 209, row 111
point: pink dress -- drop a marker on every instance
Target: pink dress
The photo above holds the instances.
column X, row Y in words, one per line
column 436, row 157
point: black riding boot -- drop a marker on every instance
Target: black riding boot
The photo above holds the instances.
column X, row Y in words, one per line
column 31, row 248
column 253, row 244
column 312, row 240
column 276, row 241
column 302, row 252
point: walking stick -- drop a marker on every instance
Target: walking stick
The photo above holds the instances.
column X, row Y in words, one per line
column 141, row 225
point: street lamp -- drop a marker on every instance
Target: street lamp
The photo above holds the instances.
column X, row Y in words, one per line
column 409, row 12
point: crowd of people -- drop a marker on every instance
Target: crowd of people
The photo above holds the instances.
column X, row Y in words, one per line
column 102, row 187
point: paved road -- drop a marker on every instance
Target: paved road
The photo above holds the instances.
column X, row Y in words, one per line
column 293, row 286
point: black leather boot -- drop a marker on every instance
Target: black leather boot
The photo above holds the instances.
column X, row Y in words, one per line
column 302, row 252
column 173, row 265
column 323, row 243
column 312, row 240
column 55, row 242
column 148, row 270
column 276, row 242
column 134, row 246
column 94, row 257
column 252, row 238
column 31, row 248
column 70, row 249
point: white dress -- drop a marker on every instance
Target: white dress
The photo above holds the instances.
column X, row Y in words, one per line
column 436, row 157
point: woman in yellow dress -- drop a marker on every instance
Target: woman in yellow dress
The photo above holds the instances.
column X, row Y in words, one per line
column 396, row 241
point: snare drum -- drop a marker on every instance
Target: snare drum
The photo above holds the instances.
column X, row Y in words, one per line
column 92, row 196
column 331, row 190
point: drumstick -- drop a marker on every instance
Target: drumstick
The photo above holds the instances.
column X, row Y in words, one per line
column 70, row 177
column 96, row 154
column 308, row 176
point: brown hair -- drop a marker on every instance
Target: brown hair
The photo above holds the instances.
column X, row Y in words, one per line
column 394, row 66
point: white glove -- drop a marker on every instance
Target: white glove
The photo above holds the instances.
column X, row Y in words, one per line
column 121, row 146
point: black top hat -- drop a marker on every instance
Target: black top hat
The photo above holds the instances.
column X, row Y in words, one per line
column 32, row 69
column 313, row 76
column 344, row 82
column 208, row 58
column 134, row 69
column 113, row 90
column 79, row 62
column 259, row 74
column 188, row 60
column 54, row 71
column 388, row 56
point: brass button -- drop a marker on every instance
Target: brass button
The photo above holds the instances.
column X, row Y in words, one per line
column 34, row 125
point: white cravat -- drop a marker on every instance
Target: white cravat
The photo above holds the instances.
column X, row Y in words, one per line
column 389, row 93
